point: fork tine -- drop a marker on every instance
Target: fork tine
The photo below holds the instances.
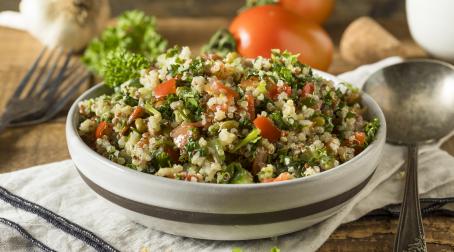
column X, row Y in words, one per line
column 72, row 69
column 41, row 73
column 28, row 75
column 69, row 94
column 53, row 85
column 58, row 105
column 49, row 75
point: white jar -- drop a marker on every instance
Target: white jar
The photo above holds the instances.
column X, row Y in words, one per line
column 432, row 26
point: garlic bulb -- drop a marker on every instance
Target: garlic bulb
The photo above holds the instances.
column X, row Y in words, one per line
column 70, row 24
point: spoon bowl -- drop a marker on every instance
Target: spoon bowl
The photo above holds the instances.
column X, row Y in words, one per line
column 417, row 98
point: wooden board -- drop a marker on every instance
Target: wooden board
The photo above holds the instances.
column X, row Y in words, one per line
column 28, row 146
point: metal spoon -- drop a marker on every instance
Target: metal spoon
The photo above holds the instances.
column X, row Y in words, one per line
column 417, row 98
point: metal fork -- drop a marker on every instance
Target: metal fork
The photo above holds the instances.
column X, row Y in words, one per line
column 42, row 93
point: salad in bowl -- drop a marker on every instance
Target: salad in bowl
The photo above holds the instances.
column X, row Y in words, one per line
column 227, row 120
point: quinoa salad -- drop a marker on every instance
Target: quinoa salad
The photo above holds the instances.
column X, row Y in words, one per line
column 228, row 120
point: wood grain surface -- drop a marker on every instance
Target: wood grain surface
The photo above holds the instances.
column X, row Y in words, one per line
column 28, row 146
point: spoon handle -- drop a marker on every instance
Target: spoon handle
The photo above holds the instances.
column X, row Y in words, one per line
column 410, row 232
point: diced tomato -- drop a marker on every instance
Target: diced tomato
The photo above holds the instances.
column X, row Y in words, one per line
column 274, row 91
column 181, row 134
column 267, row 180
column 222, row 107
column 173, row 154
column 188, row 177
column 267, row 128
column 103, row 128
column 287, row 89
column 136, row 113
column 250, row 106
column 165, row 88
column 223, row 89
column 308, row 89
column 360, row 137
column 282, row 177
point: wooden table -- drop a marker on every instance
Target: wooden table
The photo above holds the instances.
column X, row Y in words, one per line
column 44, row 143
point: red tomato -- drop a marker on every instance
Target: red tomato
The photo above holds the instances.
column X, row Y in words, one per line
column 308, row 88
column 282, row 177
column 274, row 91
column 267, row 180
column 260, row 29
column 221, row 88
column 102, row 129
column 287, row 89
column 267, row 128
column 181, row 134
column 165, row 88
column 250, row 106
column 360, row 137
column 136, row 113
column 312, row 10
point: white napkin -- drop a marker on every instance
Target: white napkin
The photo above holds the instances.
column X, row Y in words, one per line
column 58, row 187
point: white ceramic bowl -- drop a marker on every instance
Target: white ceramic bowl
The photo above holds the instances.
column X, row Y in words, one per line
column 431, row 26
column 223, row 212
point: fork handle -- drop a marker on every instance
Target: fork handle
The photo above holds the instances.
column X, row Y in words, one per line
column 410, row 232
column 4, row 122
column 3, row 125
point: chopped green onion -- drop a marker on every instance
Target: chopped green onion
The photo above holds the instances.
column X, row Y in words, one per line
column 151, row 110
column 252, row 137
column 262, row 87
column 217, row 150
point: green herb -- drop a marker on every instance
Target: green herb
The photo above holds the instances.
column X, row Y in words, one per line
column 165, row 109
column 193, row 146
column 221, row 43
column 224, row 176
column 281, row 65
column 261, row 105
column 245, row 123
column 196, row 67
column 236, row 249
column 279, row 121
column 171, row 52
column 283, row 73
column 254, row 3
column 191, row 100
column 134, row 32
column 160, row 159
column 329, row 126
column 371, row 129
column 275, row 249
column 242, row 176
column 121, row 66
column 350, row 87
column 130, row 101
